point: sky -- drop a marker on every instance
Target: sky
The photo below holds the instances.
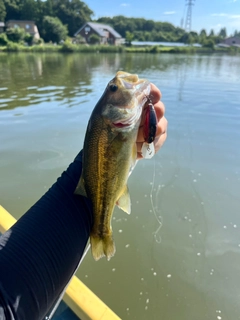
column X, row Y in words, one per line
column 206, row 14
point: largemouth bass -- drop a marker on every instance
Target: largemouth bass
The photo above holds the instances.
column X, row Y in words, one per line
column 110, row 153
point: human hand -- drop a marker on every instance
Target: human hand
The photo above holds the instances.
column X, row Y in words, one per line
column 161, row 133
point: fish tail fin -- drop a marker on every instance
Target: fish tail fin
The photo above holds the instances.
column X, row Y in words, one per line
column 102, row 246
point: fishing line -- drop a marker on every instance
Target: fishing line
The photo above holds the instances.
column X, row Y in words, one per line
column 49, row 317
column 154, row 208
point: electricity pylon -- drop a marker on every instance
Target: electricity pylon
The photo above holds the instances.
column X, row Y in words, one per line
column 188, row 23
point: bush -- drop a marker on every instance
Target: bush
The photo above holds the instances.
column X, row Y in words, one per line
column 67, row 46
column 154, row 49
column 209, row 43
column 3, row 39
column 38, row 41
column 79, row 40
column 94, row 39
column 15, row 34
column 28, row 38
column 13, row 47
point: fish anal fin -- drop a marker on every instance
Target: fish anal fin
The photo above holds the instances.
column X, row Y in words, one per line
column 102, row 246
column 124, row 202
column 80, row 189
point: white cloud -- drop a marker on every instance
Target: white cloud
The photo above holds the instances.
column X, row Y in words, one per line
column 229, row 16
column 169, row 12
column 124, row 4
column 219, row 14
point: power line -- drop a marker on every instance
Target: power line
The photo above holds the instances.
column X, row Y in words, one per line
column 188, row 23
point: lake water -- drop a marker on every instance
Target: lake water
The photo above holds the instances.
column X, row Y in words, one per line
column 189, row 269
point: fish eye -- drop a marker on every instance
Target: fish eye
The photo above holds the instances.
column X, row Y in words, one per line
column 113, row 87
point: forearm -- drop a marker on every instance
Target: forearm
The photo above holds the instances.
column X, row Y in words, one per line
column 39, row 254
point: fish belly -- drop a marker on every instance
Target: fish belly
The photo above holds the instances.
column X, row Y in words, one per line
column 105, row 176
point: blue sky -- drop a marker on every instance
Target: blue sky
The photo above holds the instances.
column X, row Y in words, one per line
column 208, row 14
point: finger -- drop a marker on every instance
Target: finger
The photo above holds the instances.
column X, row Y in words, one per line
column 155, row 94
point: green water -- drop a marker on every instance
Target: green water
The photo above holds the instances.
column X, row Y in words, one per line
column 189, row 269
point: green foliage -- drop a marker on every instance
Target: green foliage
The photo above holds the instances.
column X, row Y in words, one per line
column 94, row 39
column 15, row 34
column 129, row 38
column 29, row 10
column 28, row 38
column 13, row 47
column 37, row 41
column 154, row 49
column 3, row 39
column 211, row 34
column 13, row 9
column 144, row 30
column 72, row 13
column 79, row 39
column 223, row 33
column 67, row 46
column 54, row 30
column 2, row 11
column 209, row 43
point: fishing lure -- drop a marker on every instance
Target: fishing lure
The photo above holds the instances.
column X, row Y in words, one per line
column 149, row 131
column 150, row 124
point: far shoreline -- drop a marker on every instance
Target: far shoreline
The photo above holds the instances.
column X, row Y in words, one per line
column 68, row 47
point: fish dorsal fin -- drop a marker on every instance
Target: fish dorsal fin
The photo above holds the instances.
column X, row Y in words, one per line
column 124, row 201
column 80, row 189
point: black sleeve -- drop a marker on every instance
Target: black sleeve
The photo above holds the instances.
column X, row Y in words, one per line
column 39, row 254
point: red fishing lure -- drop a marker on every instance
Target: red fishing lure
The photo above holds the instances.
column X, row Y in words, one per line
column 150, row 124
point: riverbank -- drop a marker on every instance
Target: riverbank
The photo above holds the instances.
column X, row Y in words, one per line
column 69, row 47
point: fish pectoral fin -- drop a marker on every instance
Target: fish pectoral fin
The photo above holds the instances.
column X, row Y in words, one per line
column 124, row 202
column 80, row 189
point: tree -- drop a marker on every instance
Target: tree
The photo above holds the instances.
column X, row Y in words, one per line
column 236, row 33
column 148, row 25
column 28, row 10
column 202, row 36
column 129, row 38
column 73, row 13
column 2, row 11
column 12, row 9
column 190, row 39
column 223, row 33
column 211, row 34
column 203, row 33
column 53, row 30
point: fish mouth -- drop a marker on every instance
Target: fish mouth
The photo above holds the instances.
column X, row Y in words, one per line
column 135, row 113
column 124, row 123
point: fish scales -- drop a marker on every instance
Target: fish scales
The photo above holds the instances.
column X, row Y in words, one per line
column 109, row 153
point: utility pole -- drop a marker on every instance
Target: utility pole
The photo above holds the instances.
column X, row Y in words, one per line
column 188, row 24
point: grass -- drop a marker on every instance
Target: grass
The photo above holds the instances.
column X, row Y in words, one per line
column 67, row 46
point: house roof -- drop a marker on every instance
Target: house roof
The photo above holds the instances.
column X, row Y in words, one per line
column 230, row 38
column 2, row 24
column 21, row 21
column 101, row 29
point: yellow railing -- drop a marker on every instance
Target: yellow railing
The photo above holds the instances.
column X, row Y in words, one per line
column 83, row 302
